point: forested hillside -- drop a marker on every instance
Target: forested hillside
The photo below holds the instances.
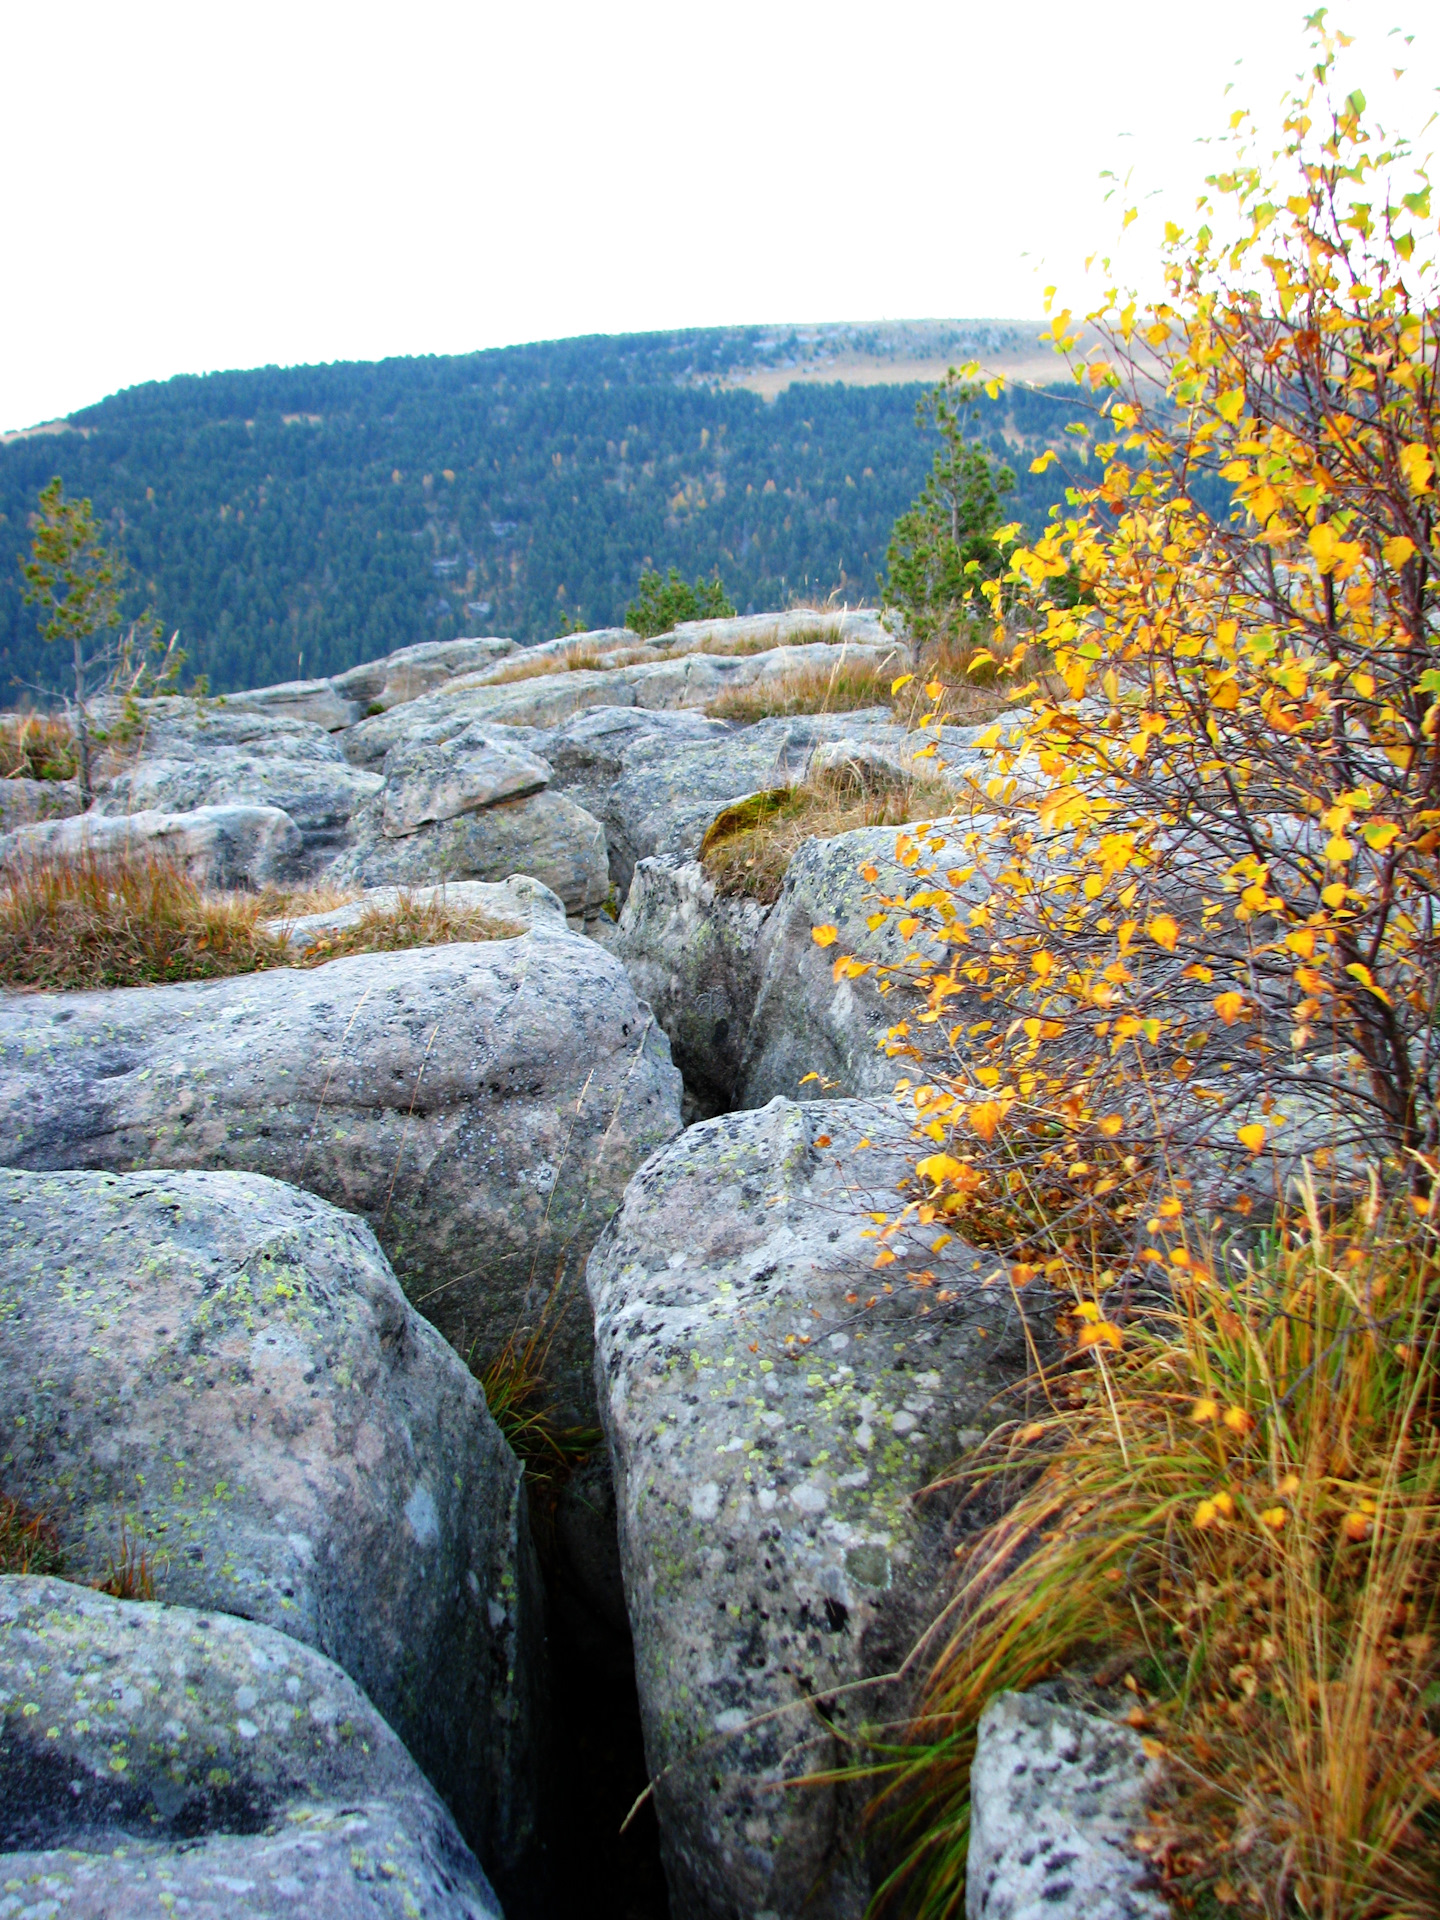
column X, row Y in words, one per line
column 294, row 522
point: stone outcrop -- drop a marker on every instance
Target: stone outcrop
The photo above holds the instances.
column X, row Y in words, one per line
column 1055, row 1795
column 772, row 1411
column 482, row 1106
column 189, row 756
column 224, row 847
column 226, row 1367
column 411, row 671
column 544, row 834
column 175, row 1760
column 689, row 680
column 425, row 784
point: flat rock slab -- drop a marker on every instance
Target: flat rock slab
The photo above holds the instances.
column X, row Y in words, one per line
column 158, row 1759
column 226, row 1367
column 1055, row 1795
column 482, row 1106
column 772, row 1412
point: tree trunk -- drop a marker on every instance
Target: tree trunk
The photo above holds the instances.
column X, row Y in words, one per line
column 82, row 728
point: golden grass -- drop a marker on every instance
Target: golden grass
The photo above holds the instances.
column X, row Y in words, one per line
column 33, row 747
column 87, row 923
column 749, row 846
column 843, row 688
column 1244, row 1495
column 570, row 660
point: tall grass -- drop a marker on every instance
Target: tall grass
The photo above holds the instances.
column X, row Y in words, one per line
column 843, row 688
column 1241, row 1490
column 34, row 747
column 87, row 922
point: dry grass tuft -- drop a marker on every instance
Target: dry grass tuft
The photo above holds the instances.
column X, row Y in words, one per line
column 28, row 1542
column 33, row 747
column 844, row 688
column 409, row 923
column 570, row 660
column 86, row 923
column 750, row 845
column 1241, row 1486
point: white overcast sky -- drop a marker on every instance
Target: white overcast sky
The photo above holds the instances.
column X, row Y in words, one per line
column 198, row 186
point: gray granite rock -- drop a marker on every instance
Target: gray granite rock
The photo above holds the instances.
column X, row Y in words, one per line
column 162, row 1760
column 314, row 700
column 772, row 1411
column 411, row 671
column 688, row 680
column 319, row 795
column 546, row 835
column 24, row 801
column 222, row 847
column 482, row 1106
column 426, row 783
column 803, row 1021
column 1055, row 1795
column 227, row 1366
column 693, row 956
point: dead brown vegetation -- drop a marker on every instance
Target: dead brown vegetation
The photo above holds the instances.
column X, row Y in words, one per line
column 35, row 747
column 86, row 923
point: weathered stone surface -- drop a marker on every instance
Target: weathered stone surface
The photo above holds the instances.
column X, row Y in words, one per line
column 521, row 901
column 427, row 783
column 411, row 671
column 544, row 834
column 318, row 792
column 314, row 700
column 689, row 680
column 1054, row 1796
column 159, row 1759
column 771, row 1413
column 228, row 1364
column 693, row 957
column 482, row 1106
column 803, row 1020
column 22, row 801
column 221, row 847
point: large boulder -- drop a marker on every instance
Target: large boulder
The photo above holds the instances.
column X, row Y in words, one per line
column 159, row 1759
column 226, row 1367
column 426, row 783
column 802, row 1020
column 222, row 847
column 482, row 1106
column 546, row 835
column 188, row 756
column 1055, row 1796
column 773, row 1409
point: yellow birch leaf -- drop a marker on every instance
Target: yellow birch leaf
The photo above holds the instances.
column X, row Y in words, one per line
column 824, row 936
column 1252, row 1138
column 1164, row 931
column 1417, row 466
